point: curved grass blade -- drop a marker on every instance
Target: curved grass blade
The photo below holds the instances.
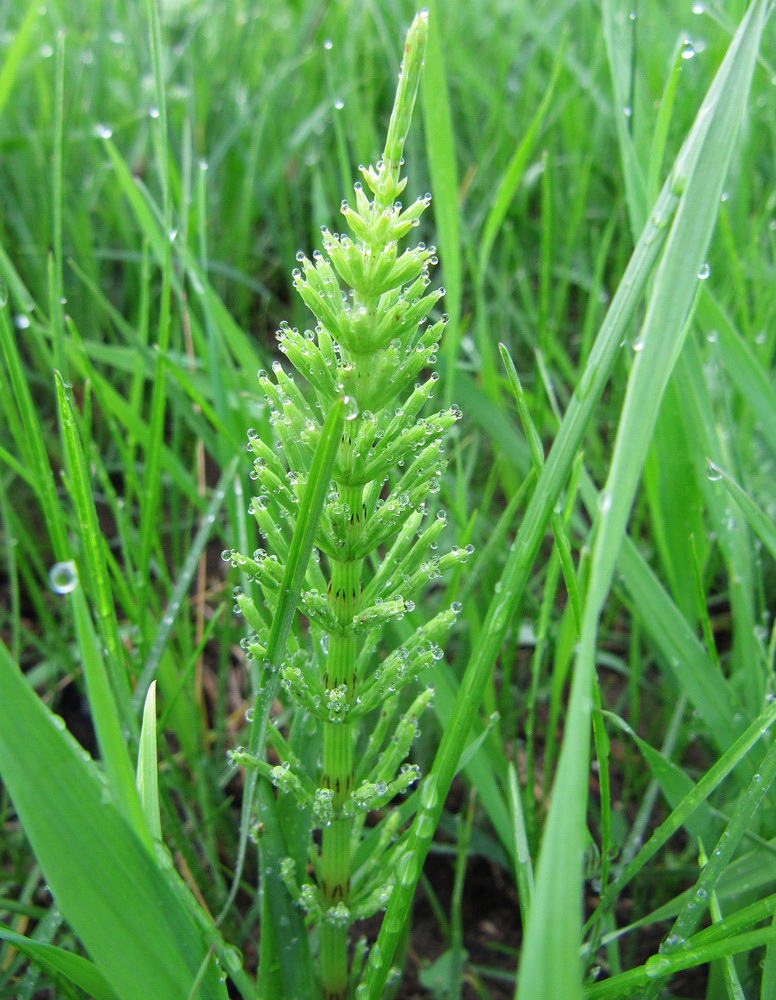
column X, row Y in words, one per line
column 298, row 976
column 58, row 963
column 550, row 958
column 103, row 878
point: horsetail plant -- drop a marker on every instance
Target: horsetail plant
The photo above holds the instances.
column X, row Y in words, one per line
column 375, row 544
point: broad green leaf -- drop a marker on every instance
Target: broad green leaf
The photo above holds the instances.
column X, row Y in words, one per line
column 104, row 879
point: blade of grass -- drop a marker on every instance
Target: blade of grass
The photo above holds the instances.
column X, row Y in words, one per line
column 441, row 155
column 103, row 878
column 660, row 966
column 147, row 772
column 660, row 134
column 92, row 542
column 550, row 963
column 537, row 456
column 297, row 974
column 693, row 669
column 699, row 794
column 57, row 963
column 16, row 53
column 183, row 583
column 741, row 365
column 34, row 444
column 694, row 909
column 105, row 715
column 619, row 33
column 760, row 522
column 524, row 864
column 517, row 165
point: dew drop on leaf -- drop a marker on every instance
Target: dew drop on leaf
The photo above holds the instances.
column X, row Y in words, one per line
column 63, row 577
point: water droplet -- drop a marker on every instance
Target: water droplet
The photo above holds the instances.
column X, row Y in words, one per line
column 103, row 131
column 328, row 45
column 698, row 7
column 657, row 966
column 351, row 407
column 688, row 51
column 63, row 577
column 46, row 51
column 21, row 322
column 339, row 104
column 713, row 472
column 704, row 271
column 153, row 112
column 627, row 110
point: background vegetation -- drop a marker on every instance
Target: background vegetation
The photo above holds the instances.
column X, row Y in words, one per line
column 155, row 194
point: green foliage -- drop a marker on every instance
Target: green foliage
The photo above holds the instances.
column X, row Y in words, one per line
column 605, row 235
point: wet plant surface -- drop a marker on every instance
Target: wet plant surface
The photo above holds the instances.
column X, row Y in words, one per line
column 593, row 774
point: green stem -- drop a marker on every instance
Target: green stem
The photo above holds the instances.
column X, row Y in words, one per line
column 338, row 769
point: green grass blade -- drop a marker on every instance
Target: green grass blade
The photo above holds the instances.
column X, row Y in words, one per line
column 760, row 523
column 183, row 583
column 693, row 670
column 92, row 541
column 310, row 509
column 660, row 966
column 748, row 375
column 105, row 715
column 660, row 134
column 517, row 165
column 440, row 147
column 33, row 445
column 537, row 456
column 296, row 969
column 524, row 864
column 103, row 878
column 694, row 909
column 699, row 794
column 298, row 974
column 147, row 771
column 16, row 52
column 57, row 963
column 619, row 34
column 550, row 957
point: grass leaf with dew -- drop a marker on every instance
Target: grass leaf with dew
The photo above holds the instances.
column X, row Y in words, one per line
column 550, row 967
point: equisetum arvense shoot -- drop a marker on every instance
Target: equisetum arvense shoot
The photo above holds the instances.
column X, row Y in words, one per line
column 373, row 346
